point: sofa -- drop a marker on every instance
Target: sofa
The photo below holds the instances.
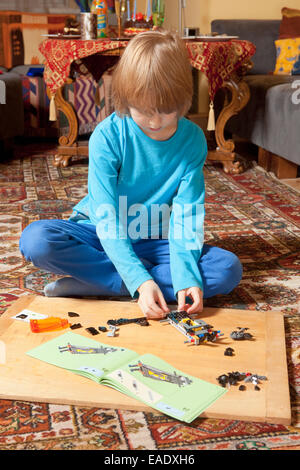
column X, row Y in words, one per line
column 271, row 119
column 11, row 109
column 20, row 36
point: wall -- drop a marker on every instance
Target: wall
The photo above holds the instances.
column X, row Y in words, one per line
column 200, row 13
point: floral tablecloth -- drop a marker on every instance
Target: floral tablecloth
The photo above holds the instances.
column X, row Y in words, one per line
column 218, row 60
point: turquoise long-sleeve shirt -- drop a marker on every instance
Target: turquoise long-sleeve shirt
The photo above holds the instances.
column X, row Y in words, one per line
column 143, row 188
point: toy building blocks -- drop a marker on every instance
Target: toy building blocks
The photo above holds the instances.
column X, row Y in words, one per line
column 240, row 334
column 112, row 331
column 48, row 324
column 73, row 314
column 102, row 328
column 92, row 330
column 125, row 321
column 232, row 378
column 228, row 352
column 75, row 326
column 197, row 331
column 254, row 378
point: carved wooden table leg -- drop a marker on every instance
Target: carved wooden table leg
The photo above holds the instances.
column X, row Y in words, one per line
column 68, row 145
column 224, row 152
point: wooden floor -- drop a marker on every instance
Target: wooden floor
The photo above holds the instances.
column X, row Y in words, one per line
column 249, row 152
column 293, row 183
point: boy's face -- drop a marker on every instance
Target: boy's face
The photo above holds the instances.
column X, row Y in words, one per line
column 157, row 126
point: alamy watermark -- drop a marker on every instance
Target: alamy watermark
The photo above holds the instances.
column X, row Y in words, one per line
column 2, row 92
column 296, row 94
column 180, row 222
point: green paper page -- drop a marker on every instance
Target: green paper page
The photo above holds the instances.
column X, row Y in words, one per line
column 163, row 387
column 146, row 377
column 68, row 351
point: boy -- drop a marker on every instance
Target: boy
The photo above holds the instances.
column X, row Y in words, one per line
column 139, row 230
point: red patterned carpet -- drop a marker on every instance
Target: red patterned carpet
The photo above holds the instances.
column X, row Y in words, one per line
column 252, row 214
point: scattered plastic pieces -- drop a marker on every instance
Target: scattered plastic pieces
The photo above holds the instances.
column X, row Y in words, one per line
column 240, row 334
column 102, row 328
column 229, row 352
column 125, row 321
column 75, row 326
column 73, row 314
column 92, row 330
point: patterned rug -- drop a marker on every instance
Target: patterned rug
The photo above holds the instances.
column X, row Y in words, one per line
column 252, row 214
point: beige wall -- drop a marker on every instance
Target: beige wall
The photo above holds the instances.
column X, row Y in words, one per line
column 201, row 12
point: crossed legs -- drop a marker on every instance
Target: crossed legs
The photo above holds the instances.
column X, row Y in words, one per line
column 72, row 249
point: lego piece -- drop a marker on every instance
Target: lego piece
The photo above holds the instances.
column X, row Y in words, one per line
column 102, row 328
column 73, row 314
column 231, row 379
column 75, row 326
column 22, row 316
column 125, row 321
column 254, row 378
column 92, row 330
column 229, row 352
column 197, row 331
column 48, row 324
column 234, row 377
column 223, row 380
column 112, row 331
column 240, row 334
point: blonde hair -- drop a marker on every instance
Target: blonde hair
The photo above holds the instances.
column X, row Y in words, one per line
column 153, row 74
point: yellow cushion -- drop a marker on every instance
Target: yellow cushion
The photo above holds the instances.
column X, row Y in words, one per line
column 288, row 55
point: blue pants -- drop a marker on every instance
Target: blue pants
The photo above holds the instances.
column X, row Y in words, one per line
column 68, row 248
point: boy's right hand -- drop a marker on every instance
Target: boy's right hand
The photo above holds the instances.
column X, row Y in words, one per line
column 151, row 300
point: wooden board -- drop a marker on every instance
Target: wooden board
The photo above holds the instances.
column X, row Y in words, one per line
column 28, row 379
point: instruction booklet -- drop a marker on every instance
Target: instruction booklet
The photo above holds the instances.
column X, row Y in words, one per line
column 145, row 377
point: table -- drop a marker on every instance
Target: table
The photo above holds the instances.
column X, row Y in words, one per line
column 223, row 62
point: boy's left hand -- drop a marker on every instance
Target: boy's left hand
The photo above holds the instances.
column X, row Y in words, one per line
column 196, row 294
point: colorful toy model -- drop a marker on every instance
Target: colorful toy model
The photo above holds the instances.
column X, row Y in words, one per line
column 197, row 331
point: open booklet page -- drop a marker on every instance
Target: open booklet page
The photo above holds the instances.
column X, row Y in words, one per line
column 145, row 377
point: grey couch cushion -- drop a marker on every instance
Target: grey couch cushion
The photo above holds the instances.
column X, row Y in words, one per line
column 282, row 123
column 271, row 118
column 23, row 69
column 262, row 33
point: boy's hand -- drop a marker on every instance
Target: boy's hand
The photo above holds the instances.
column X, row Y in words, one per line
column 151, row 300
column 196, row 294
